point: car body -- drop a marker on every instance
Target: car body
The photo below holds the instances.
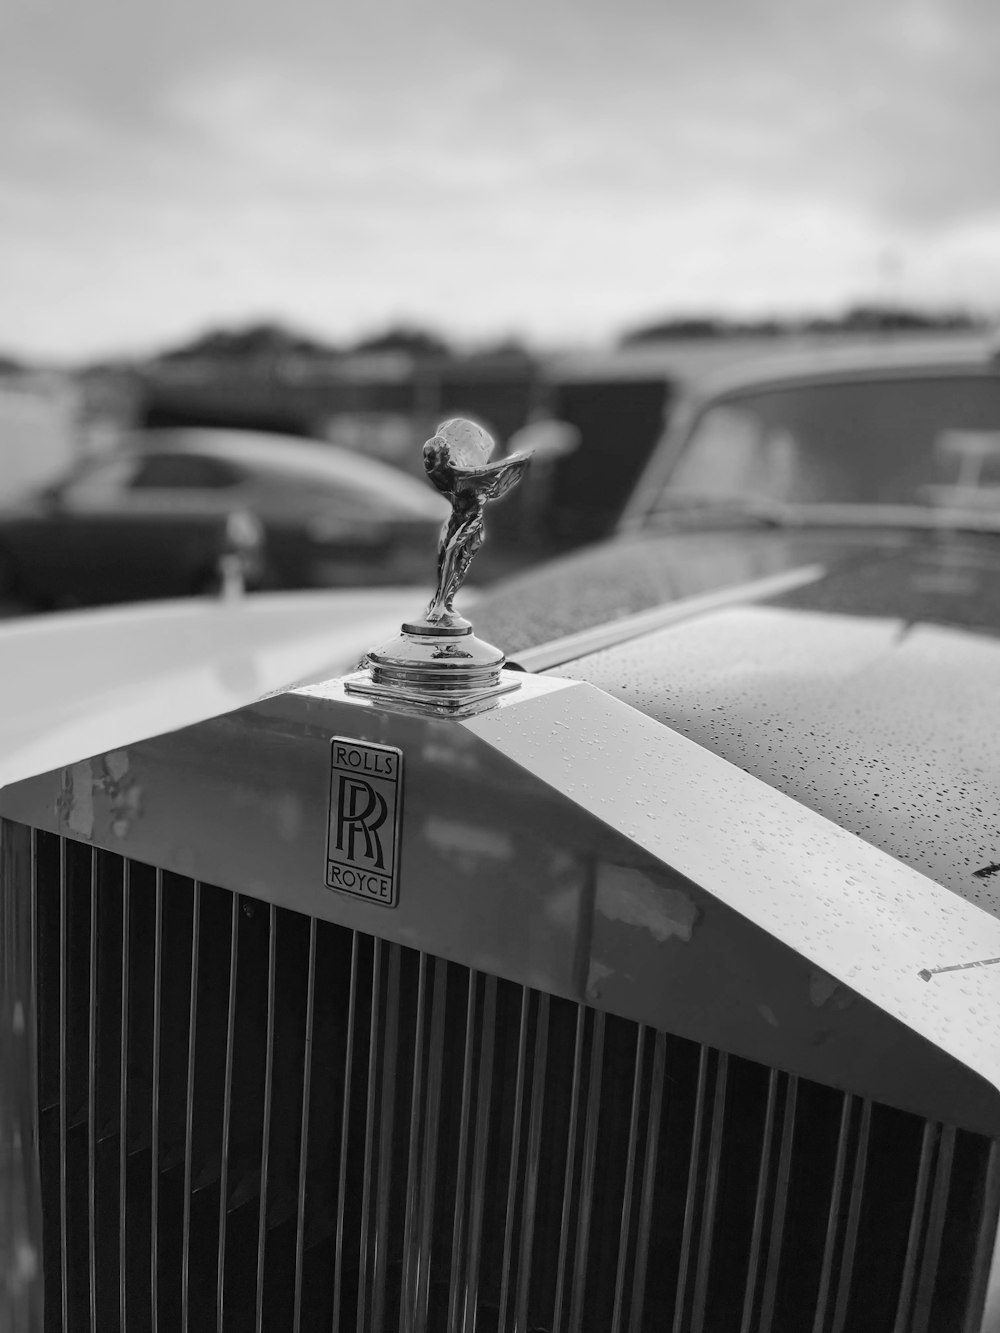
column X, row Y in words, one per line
column 660, row 990
column 149, row 520
column 672, row 544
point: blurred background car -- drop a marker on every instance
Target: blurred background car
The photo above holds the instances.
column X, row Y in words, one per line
column 158, row 517
column 889, row 432
column 880, row 462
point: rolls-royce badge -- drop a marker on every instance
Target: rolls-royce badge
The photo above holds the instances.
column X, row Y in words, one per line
column 362, row 851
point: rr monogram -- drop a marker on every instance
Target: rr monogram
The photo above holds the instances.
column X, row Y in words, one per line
column 354, row 821
column 366, row 797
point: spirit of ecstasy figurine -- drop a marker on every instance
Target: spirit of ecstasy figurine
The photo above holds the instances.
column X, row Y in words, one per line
column 456, row 460
column 437, row 662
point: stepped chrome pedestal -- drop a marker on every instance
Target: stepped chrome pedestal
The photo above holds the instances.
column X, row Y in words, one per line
column 443, row 667
column 436, row 663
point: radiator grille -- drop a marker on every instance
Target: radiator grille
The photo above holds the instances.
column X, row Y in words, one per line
column 250, row 1119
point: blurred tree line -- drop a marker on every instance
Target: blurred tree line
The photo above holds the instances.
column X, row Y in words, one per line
column 856, row 319
column 269, row 342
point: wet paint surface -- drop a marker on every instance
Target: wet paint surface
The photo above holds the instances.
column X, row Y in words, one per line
column 950, row 579
column 886, row 728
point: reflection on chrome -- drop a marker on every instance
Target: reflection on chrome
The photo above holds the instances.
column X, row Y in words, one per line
column 436, row 661
column 456, row 459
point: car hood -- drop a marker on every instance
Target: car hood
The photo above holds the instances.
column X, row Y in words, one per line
column 868, row 693
column 81, row 683
column 936, row 576
column 566, row 841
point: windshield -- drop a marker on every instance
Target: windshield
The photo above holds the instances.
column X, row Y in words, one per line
column 929, row 442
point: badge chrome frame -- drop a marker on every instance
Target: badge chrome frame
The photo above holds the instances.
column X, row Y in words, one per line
column 363, row 826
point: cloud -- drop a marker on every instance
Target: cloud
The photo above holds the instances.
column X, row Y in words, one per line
column 553, row 168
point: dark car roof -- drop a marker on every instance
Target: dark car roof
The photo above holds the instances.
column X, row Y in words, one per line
column 919, row 357
column 694, row 361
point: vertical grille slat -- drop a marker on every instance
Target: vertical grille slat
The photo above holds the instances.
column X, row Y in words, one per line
column 22, row 1242
column 513, row 1181
column 252, row 1119
column 776, row 1237
column 300, row 1195
column 690, row 1201
column 272, row 944
column 834, row 1216
column 189, row 1091
column 345, row 1122
column 411, row 1251
column 123, row 1095
column 986, row 1239
column 480, row 1143
column 383, row 1174
column 64, row 982
column 760, row 1202
column 594, row 1086
column 32, row 1217
column 379, row 1122
column 935, row 1231
column 846, row 1275
column 568, row 1193
column 154, row 1173
column 368, row 1188
column 648, row 1182
column 456, row 1293
column 907, row 1289
column 532, row 1165
column 92, row 1095
column 710, row 1193
column 435, row 1071
column 630, row 1166
column 227, row 1111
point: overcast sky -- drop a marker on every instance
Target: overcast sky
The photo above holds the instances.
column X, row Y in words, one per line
column 557, row 171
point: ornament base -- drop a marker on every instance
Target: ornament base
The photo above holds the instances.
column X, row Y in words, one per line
column 439, row 668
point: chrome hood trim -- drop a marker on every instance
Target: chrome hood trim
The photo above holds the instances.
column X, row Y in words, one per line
column 571, row 843
column 886, row 727
column 592, row 640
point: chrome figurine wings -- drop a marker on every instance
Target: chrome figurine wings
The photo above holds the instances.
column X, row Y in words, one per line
column 436, row 663
column 456, row 460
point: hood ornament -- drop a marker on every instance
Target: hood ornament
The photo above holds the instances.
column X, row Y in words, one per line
column 436, row 661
